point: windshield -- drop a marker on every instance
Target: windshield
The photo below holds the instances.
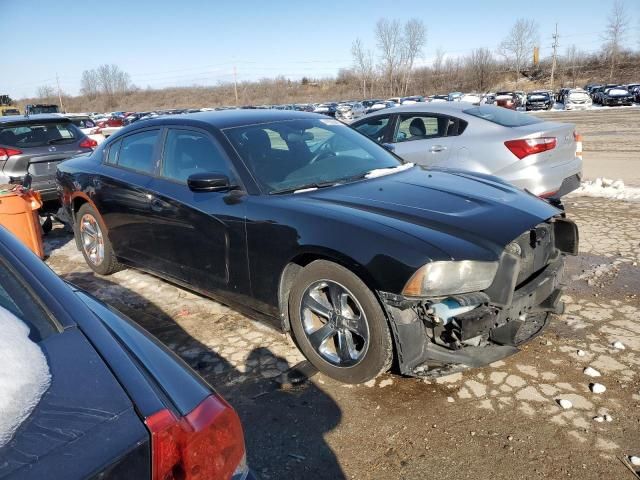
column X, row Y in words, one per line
column 37, row 134
column 292, row 154
column 501, row 116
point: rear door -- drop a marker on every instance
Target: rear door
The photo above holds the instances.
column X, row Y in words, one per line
column 123, row 197
column 422, row 138
column 198, row 237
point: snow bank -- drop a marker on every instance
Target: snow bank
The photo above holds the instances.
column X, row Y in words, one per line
column 607, row 188
column 24, row 374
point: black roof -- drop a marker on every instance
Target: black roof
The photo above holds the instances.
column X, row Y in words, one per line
column 227, row 118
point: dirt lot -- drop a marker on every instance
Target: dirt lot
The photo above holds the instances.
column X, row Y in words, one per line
column 611, row 141
column 500, row 422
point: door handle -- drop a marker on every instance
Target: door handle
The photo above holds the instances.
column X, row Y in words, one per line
column 437, row 148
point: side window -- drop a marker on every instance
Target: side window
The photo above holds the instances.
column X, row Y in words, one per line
column 420, row 127
column 112, row 155
column 136, row 151
column 187, row 152
column 374, row 128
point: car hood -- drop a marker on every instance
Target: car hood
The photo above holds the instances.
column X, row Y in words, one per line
column 442, row 207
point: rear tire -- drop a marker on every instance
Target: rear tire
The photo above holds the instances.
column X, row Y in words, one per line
column 90, row 233
column 350, row 343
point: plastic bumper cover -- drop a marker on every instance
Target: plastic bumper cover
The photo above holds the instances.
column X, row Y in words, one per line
column 502, row 329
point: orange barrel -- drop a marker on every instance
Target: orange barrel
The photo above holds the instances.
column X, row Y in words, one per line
column 19, row 215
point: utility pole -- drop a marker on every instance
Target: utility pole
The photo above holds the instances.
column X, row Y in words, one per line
column 555, row 55
column 235, row 83
column 59, row 93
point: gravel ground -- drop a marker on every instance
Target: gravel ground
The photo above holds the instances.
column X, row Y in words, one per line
column 502, row 421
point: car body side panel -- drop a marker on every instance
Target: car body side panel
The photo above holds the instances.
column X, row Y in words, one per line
column 84, row 424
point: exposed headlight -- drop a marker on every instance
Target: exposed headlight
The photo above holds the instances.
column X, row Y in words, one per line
column 448, row 278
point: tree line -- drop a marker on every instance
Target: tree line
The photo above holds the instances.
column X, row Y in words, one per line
column 392, row 66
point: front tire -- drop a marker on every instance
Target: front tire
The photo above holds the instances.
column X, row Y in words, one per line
column 95, row 246
column 339, row 324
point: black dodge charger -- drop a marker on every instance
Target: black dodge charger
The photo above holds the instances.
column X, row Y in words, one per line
column 305, row 222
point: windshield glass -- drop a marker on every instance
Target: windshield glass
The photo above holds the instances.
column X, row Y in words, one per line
column 502, row 116
column 37, row 134
column 292, row 154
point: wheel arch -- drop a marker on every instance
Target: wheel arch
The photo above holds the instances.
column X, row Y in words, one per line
column 304, row 258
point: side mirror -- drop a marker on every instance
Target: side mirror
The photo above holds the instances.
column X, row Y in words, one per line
column 389, row 146
column 208, row 182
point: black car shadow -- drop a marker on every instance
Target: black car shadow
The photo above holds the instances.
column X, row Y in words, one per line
column 284, row 427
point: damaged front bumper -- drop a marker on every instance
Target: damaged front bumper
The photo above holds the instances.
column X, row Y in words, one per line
column 495, row 322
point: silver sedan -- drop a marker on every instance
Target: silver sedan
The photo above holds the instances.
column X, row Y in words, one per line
column 533, row 154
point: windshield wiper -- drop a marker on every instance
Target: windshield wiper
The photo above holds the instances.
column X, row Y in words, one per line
column 306, row 186
column 61, row 139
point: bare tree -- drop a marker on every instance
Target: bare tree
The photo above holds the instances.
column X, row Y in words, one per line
column 615, row 33
column 519, row 43
column 436, row 67
column 108, row 80
column 573, row 59
column 389, row 37
column 89, row 84
column 46, row 92
column 480, row 65
column 363, row 65
column 415, row 37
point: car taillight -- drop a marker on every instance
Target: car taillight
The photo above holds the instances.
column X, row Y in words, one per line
column 528, row 146
column 6, row 152
column 88, row 143
column 207, row 443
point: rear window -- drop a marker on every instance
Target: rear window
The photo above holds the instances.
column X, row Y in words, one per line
column 15, row 297
column 501, row 116
column 37, row 134
column 83, row 122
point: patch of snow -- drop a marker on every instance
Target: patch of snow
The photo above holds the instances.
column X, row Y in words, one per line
column 597, row 388
column 566, row 404
column 591, row 372
column 598, row 419
column 608, row 417
column 607, row 188
column 581, row 353
column 635, row 460
column 618, row 345
column 381, row 172
column 24, row 374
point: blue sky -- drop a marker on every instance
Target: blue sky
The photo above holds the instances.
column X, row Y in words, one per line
column 167, row 43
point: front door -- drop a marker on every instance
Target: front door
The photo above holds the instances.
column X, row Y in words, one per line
column 421, row 138
column 198, row 237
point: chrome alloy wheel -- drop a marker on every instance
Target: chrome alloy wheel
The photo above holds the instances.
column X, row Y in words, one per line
column 335, row 324
column 92, row 239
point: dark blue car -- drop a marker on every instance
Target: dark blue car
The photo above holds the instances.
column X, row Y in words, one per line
column 119, row 404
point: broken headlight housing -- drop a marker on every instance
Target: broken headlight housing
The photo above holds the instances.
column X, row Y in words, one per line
column 450, row 277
